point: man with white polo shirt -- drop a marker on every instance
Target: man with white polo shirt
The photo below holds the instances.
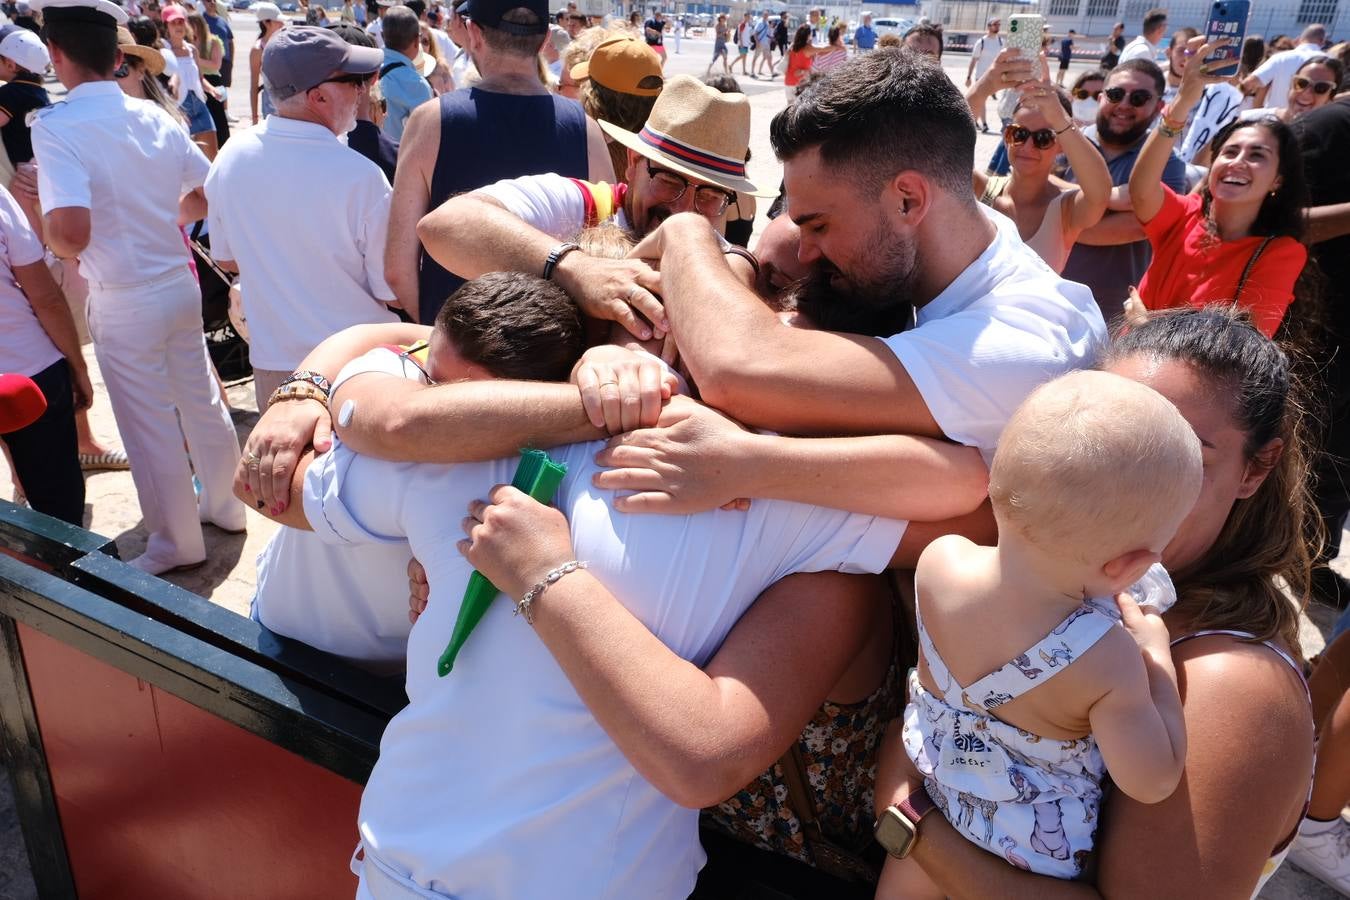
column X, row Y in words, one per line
column 144, row 304
column 310, row 256
column 1271, row 78
column 1148, row 45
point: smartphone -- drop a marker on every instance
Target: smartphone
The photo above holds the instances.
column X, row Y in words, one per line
column 1026, row 32
column 1227, row 19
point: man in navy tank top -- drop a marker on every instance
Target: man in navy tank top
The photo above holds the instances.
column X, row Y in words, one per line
column 506, row 126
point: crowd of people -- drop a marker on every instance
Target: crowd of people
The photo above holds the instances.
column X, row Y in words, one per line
column 1081, row 412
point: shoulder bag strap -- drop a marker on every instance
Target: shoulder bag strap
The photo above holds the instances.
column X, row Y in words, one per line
column 829, row 857
column 1251, row 263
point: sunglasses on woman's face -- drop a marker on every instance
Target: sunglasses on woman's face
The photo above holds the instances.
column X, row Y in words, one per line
column 1138, row 97
column 1016, row 135
column 1318, row 87
column 1084, row 94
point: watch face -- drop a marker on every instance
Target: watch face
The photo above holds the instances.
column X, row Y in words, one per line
column 895, row 833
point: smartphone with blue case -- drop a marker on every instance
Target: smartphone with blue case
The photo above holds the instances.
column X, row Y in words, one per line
column 1227, row 19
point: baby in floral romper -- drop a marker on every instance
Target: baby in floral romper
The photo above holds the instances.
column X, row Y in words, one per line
column 1030, row 686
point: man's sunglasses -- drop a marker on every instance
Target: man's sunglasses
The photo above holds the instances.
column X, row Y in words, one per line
column 1138, row 97
column 1016, row 135
column 356, row 78
column 1319, row 87
column 1084, row 94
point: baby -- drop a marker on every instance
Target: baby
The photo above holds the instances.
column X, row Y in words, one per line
column 1028, row 690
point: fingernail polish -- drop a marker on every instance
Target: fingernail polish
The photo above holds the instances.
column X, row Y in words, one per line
column 247, row 489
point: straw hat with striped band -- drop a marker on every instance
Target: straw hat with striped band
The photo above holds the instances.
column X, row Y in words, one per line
column 697, row 131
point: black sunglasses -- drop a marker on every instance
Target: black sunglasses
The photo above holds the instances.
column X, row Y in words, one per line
column 1138, row 97
column 356, row 78
column 1015, row 135
column 1319, row 87
column 1084, row 93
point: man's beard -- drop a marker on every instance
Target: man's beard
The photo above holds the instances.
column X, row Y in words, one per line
column 1127, row 138
column 875, row 302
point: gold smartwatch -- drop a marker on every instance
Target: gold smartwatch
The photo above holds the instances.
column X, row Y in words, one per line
column 897, row 831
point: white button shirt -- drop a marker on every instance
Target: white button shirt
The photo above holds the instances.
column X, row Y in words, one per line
column 305, row 218
column 128, row 163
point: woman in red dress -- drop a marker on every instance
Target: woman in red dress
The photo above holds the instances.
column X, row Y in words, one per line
column 1239, row 238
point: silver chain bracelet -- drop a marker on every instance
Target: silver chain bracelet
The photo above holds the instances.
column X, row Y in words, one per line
column 523, row 607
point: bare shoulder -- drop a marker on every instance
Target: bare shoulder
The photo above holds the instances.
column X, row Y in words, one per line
column 944, row 561
column 1245, row 690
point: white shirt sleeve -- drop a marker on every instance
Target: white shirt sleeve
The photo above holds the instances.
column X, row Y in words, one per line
column 973, row 370
column 217, row 223
column 371, row 240
column 821, row 540
column 1265, row 73
column 195, row 164
column 63, row 181
column 355, row 499
column 21, row 245
column 551, row 203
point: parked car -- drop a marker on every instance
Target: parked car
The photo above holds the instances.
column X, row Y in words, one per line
column 896, row 27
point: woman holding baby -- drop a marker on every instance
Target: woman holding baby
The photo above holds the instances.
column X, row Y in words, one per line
column 1234, row 644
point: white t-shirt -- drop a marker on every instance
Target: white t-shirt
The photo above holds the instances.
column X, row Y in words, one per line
column 985, row 51
column 1218, row 106
column 1006, row 325
column 552, row 203
column 447, row 46
column 496, row 781
column 305, row 218
column 1139, row 48
column 128, row 163
column 25, row 348
column 1279, row 70
column 350, row 600
column 376, row 30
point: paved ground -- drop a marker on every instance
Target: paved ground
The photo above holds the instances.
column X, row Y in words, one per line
column 228, row 577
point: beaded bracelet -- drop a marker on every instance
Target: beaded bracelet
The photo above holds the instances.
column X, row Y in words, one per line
column 533, row 594
column 306, row 376
column 298, row 390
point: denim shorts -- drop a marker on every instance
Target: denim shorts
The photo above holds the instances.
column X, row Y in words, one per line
column 198, row 116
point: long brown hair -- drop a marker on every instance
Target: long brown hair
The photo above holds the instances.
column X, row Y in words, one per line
column 1270, row 539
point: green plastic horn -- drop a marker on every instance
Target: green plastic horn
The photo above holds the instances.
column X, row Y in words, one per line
column 538, row 476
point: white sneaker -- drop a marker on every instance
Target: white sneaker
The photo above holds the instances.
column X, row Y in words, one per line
column 1322, row 849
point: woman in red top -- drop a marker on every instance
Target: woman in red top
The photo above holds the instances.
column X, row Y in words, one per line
column 800, row 58
column 1239, row 238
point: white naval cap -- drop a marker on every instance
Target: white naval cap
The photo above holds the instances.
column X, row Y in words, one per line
column 90, row 12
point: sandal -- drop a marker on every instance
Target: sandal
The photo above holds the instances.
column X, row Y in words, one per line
column 109, row 460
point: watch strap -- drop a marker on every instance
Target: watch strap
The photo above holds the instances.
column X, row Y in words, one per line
column 916, row 805
column 555, row 256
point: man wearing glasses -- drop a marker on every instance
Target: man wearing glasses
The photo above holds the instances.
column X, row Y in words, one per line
column 310, row 258
column 1113, row 254
column 690, row 156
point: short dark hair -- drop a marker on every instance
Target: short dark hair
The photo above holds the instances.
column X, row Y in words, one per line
column 881, row 113
column 401, row 28
column 1145, row 67
column 91, row 47
column 509, row 44
column 514, row 325
column 352, row 34
column 927, row 29
column 419, row 7
column 1154, row 18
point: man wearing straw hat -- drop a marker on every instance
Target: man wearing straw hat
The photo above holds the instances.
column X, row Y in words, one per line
column 507, row 125
column 690, row 156
column 144, row 305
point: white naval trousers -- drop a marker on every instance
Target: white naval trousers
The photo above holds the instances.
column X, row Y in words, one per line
column 150, row 348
